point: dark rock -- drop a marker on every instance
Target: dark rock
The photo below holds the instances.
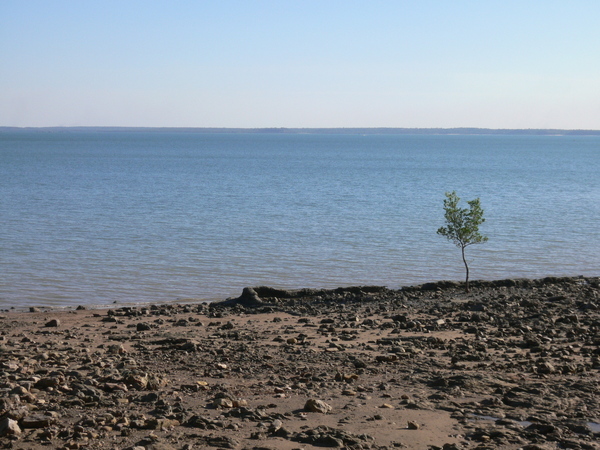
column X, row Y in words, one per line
column 142, row 326
column 36, row 421
column 541, row 428
column 324, row 436
column 249, row 299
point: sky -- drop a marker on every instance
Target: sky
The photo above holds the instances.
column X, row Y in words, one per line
column 300, row 63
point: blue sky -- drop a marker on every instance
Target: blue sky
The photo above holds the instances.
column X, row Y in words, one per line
column 301, row 63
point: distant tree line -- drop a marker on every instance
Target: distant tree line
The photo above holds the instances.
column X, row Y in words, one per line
column 369, row 131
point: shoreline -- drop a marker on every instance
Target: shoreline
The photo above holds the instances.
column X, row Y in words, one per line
column 432, row 285
column 513, row 364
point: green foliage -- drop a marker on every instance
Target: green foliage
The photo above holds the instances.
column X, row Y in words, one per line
column 462, row 225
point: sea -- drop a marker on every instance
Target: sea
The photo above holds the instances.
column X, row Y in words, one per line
column 104, row 217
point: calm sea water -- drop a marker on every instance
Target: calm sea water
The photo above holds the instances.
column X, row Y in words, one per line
column 100, row 217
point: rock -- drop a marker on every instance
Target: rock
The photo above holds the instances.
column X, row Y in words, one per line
column 142, row 382
column 161, row 424
column 160, row 446
column 324, row 436
column 49, row 382
column 16, row 412
column 359, row 364
column 222, row 442
column 190, row 346
column 222, row 403
column 546, row 368
column 317, row 406
column 116, row 349
column 142, row 326
column 112, row 387
column 275, row 426
column 249, row 299
column 36, row 421
column 542, row 428
column 151, row 397
column 53, row 323
column 412, row 425
column 9, row 427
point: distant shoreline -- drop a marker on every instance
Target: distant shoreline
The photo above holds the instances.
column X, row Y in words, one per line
column 348, row 131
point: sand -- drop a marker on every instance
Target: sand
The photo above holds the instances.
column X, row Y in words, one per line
column 511, row 364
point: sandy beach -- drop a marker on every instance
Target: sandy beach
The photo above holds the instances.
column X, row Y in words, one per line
column 513, row 364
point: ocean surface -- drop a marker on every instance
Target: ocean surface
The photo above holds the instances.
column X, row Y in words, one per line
column 98, row 217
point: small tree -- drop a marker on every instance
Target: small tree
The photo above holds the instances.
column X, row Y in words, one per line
column 462, row 225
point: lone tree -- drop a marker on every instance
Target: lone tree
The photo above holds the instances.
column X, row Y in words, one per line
column 462, row 225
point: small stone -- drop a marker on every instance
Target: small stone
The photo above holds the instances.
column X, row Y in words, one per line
column 546, row 368
column 49, row 382
column 275, row 426
column 9, row 427
column 53, row 323
column 166, row 424
column 222, row 403
column 412, row 425
column 318, row 406
column 116, row 349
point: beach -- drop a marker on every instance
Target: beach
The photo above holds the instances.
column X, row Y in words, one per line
column 512, row 364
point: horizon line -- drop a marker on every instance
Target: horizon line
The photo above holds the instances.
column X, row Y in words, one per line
column 322, row 130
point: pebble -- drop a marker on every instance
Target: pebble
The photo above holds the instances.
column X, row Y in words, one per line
column 317, row 406
column 412, row 425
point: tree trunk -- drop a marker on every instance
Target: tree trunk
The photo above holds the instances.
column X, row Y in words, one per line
column 466, row 268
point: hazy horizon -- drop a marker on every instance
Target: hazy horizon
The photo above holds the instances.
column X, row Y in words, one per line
column 272, row 64
column 373, row 130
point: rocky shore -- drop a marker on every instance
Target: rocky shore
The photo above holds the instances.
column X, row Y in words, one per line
column 513, row 364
